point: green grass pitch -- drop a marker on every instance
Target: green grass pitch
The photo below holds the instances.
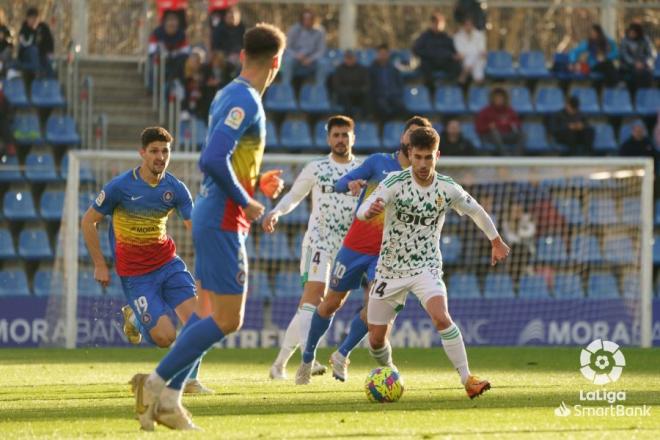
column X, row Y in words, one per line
column 83, row 393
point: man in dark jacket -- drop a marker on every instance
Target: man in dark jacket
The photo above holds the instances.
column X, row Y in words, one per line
column 350, row 86
column 228, row 36
column 436, row 51
column 570, row 127
column 639, row 144
column 453, row 143
column 386, row 86
column 36, row 45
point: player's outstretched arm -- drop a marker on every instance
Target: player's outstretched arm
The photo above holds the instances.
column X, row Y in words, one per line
column 499, row 251
column 355, row 179
column 299, row 190
column 374, row 205
column 90, row 234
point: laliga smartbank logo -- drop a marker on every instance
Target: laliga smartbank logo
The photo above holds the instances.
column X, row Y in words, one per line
column 601, row 363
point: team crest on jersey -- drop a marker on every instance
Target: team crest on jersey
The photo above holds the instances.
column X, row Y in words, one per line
column 100, row 198
column 240, row 277
column 146, row 318
column 168, row 196
column 439, row 201
column 235, row 117
column 334, row 281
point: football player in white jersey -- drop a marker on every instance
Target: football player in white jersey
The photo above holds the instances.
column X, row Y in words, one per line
column 332, row 214
column 415, row 202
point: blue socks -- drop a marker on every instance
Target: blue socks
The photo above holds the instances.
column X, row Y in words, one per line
column 191, row 345
column 356, row 333
column 317, row 329
column 178, row 380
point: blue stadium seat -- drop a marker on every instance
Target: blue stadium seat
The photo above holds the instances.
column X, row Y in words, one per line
column 7, row 250
column 367, row 138
column 86, row 174
column 549, row 100
column 295, row 135
column 625, row 131
column 40, row 167
column 83, row 252
column 604, row 140
column 33, row 244
column 571, row 209
column 478, row 98
column 366, row 56
column 449, row 100
column 532, row 65
column 10, row 169
column 47, row 282
column 87, row 285
column 14, row 90
column 536, row 138
column 463, row 285
column 585, row 249
column 631, row 287
column 320, row 135
column 85, row 200
column 602, row 211
column 437, row 126
column 619, row 249
column 588, row 97
column 568, row 286
column 656, row 250
column 272, row 140
column 19, row 205
column 258, row 285
column 51, row 205
column 287, row 284
column 274, row 247
column 299, row 216
column 498, row 286
column 499, row 65
column 61, row 130
column 13, row 282
column 46, row 93
column 450, row 247
column 417, row 100
column 521, row 101
column 192, row 132
column 280, row 98
column 314, row 99
column 602, row 285
column 631, row 211
column 616, row 102
column 647, row 102
column 470, row 133
column 656, row 71
column 26, row 129
column 392, row 134
column 551, row 249
column 533, row 286
column 297, row 246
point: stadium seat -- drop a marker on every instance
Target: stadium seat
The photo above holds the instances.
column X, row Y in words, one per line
column 532, row 65
column 274, row 247
column 417, row 100
column 287, row 284
column 295, row 135
column 616, row 102
column 7, row 250
column 536, row 139
column 272, row 140
column 26, row 129
column 604, row 140
column 498, row 286
column 10, row 169
column 470, row 133
column 533, row 287
column 46, row 93
column 602, row 211
column 298, row 216
column 647, row 102
column 588, row 97
column 367, row 138
column 14, row 90
column 40, row 167
column 463, row 285
column 86, row 174
column 320, row 135
column 87, row 285
column 602, row 285
column 85, row 200
column 314, row 99
column 656, row 250
column 551, row 249
column 449, row 100
column 13, row 282
column 631, row 287
column 631, row 211
column 297, row 246
column 19, row 205
column 585, row 249
column 450, row 247
column 392, row 134
column 477, row 98
column 51, row 205
column 47, row 282
column 280, row 98
column 83, row 252
column 366, row 56
column 61, row 130
column 499, row 65
column 571, row 209
column 549, row 100
column 192, row 132
column 33, row 244
column 521, row 100
column 258, row 285
column 619, row 249
column 568, row 286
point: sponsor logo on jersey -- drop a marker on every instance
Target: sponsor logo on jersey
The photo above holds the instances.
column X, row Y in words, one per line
column 235, row 117
column 326, row 189
column 416, row 219
column 100, row 198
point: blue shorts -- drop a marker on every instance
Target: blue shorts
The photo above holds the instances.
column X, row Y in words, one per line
column 349, row 268
column 158, row 292
column 221, row 262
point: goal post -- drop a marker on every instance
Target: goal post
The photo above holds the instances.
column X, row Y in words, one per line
column 588, row 258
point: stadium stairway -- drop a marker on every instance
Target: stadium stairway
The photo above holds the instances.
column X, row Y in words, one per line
column 119, row 92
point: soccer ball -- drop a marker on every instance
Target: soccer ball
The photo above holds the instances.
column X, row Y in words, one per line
column 384, row 385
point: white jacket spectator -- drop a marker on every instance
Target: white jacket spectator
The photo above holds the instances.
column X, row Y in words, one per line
column 470, row 43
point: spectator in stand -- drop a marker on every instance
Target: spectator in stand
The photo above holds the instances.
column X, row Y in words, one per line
column 639, row 144
column 599, row 52
column 305, row 47
column 470, row 44
column 169, row 39
column 453, row 143
column 36, row 45
column 386, row 85
column 350, row 86
column 498, row 124
column 216, row 74
column 193, row 85
column 228, row 37
column 519, row 231
column 217, row 10
column 437, row 53
column 470, row 10
column 571, row 128
column 637, row 58
column 6, row 140
column 6, row 45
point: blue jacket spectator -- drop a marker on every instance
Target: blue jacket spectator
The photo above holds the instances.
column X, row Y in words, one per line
column 637, row 58
column 386, row 85
column 36, row 45
column 305, row 46
column 599, row 52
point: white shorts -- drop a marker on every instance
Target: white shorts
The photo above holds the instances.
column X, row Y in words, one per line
column 315, row 265
column 387, row 296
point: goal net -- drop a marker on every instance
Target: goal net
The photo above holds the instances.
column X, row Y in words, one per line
column 580, row 268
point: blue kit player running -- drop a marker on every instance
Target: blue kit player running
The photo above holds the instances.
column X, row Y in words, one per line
column 230, row 161
column 356, row 258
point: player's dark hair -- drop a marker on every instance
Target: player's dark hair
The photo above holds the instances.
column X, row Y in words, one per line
column 339, row 121
column 424, row 138
column 32, row 12
column 155, row 134
column 263, row 41
column 417, row 120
